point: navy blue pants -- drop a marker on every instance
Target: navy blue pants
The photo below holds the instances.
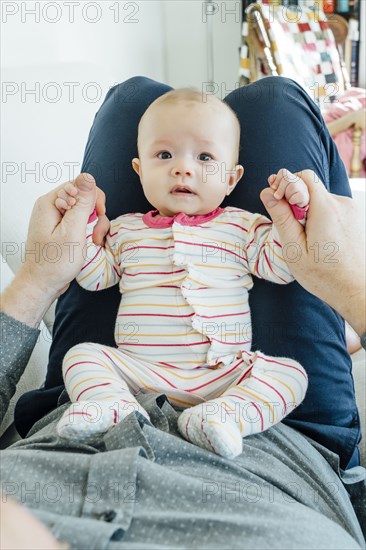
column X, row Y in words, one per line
column 281, row 127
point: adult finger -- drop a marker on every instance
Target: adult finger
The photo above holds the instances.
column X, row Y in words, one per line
column 75, row 219
column 288, row 227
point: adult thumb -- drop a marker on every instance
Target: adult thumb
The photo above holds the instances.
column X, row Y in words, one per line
column 288, row 228
column 85, row 201
column 87, row 193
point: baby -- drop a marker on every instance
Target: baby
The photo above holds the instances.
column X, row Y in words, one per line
column 184, row 271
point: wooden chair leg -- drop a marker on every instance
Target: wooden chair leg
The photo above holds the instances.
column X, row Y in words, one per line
column 356, row 155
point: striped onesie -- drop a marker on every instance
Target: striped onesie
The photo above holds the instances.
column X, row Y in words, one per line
column 183, row 328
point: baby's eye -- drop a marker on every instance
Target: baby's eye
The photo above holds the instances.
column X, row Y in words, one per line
column 205, row 155
column 164, row 153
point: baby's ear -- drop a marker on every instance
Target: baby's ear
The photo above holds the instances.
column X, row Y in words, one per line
column 136, row 165
column 235, row 176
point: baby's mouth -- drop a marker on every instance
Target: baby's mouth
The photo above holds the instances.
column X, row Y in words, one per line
column 182, row 189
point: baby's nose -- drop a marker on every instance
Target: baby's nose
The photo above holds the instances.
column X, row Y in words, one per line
column 182, row 171
column 182, row 168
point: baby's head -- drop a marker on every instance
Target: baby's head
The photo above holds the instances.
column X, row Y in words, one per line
column 188, row 152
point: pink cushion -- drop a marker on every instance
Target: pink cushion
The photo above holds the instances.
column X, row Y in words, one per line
column 352, row 100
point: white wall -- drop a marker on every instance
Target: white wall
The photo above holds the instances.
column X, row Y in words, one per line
column 46, row 135
column 69, row 62
column 165, row 40
column 186, row 26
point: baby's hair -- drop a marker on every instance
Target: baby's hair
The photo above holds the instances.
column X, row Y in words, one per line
column 191, row 95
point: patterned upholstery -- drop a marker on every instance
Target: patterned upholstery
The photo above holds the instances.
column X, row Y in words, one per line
column 294, row 42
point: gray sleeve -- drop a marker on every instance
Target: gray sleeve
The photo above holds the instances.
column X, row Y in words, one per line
column 17, row 343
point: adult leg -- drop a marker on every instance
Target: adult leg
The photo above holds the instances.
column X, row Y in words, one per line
column 281, row 127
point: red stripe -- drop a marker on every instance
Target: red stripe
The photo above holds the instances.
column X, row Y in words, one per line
column 105, row 353
column 250, row 242
column 262, row 225
column 224, row 315
column 154, row 273
column 218, row 378
column 274, row 389
column 86, row 265
column 283, row 364
column 82, row 363
column 163, row 378
column 236, row 225
column 151, row 247
column 152, row 315
column 268, row 263
column 169, row 345
column 92, row 387
column 283, row 280
column 244, row 375
column 230, row 343
column 168, row 365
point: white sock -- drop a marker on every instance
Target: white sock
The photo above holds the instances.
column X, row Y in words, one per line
column 86, row 420
column 212, row 426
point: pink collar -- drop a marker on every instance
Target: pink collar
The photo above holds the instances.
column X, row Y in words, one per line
column 152, row 220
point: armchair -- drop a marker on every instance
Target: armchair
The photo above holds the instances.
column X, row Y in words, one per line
column 299, row 43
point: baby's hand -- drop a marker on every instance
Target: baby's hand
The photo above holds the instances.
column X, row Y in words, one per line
column 290, row 186
column 66, row 197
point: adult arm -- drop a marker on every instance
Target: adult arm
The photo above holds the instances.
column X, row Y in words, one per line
column 330, row 250
column 40, row 280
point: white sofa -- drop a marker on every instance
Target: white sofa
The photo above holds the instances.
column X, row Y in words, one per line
column 34, row 374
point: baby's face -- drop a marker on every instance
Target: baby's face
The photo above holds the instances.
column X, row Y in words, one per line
column 187, row 157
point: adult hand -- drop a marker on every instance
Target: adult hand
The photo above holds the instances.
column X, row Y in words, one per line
column 54, row 251
column 327, row 256
column 21, row 530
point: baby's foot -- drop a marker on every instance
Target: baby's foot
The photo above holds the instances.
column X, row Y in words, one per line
column 209, row 426
column 86, row 420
